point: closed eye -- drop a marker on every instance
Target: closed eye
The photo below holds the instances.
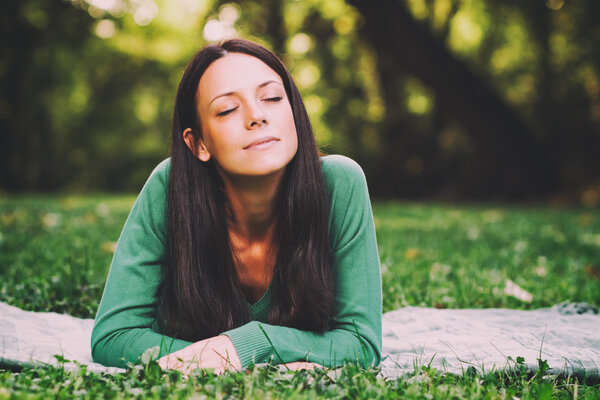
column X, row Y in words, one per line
column 228, row 111
column 274, row 99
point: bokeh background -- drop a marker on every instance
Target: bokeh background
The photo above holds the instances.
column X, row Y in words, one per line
column 436, row 99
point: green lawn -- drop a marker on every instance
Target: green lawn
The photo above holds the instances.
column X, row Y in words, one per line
column 55, row 253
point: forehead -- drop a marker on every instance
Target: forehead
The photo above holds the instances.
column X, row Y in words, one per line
column 232, row 73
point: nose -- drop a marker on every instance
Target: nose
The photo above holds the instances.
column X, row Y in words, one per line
column 260, row 122
column 255, row 117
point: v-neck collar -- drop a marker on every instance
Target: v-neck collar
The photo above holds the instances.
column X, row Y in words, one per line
column 260, row 307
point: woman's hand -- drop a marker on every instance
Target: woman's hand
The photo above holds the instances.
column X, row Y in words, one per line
column 216, row 353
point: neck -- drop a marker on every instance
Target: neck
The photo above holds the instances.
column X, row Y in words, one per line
column 251, row 205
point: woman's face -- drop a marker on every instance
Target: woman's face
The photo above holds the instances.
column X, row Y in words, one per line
column 246, row 119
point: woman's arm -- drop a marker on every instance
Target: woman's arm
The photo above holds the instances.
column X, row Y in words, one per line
column 356, row 332
column 124, row 321
column 123, row 326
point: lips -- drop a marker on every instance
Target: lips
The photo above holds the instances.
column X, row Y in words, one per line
column 261, row 142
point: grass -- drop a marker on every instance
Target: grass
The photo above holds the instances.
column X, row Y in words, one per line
column 148, row 381
column 55, row 253
column 459, row 257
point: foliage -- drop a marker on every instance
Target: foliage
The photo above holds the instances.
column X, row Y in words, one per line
column 77, row 111
column 88, row 86
column 148, row 381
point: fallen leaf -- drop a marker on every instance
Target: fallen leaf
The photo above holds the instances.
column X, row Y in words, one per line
column 411, row 254
column 473, row 233
column 8, row 219
column 514, row 290
column 102, row 210
column 50, row 220
column 585, row 219
column 590, row 238
column 520, row 246
column 593, row 271
column 90, row 217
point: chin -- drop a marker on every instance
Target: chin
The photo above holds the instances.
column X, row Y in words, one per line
column 267, row 166
column 265, row 171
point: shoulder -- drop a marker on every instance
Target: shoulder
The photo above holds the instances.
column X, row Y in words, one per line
column 350, row 205
column 159, row 175
column 155, row 188
column 345, row 182
column 161, row 171
column 336, row 166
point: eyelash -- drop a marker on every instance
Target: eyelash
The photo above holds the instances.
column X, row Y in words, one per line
column 270, row 99
column 224, row 113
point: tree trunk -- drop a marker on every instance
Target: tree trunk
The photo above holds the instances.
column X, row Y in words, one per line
column 520, row 166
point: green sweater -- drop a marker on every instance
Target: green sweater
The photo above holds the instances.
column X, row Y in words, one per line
column 125, row 324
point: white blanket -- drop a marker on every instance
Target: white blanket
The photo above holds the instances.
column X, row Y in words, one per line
column 450, row 340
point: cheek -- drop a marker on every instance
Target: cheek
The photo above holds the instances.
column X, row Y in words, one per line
column 289, row 121
column 216, row 137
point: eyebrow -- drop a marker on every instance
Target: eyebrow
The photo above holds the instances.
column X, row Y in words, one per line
column 262, row 85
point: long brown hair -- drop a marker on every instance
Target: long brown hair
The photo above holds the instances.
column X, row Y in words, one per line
column 200, row 294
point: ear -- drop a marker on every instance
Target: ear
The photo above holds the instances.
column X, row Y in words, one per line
column 197, row 147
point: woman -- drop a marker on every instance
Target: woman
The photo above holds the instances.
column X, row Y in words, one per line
column 244, row 247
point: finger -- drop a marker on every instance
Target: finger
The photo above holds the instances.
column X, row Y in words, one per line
column 164, row 362
column 226, row 365
column 172, row 362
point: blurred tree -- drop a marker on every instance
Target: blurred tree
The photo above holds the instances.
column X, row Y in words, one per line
column 565, row 37
column 517, row 165
column 79, row 111
column 471, row 56
column 40, row 41
column 444, row 98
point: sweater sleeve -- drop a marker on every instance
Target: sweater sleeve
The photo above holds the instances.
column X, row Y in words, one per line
column 123, row 328
column 356, row 333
